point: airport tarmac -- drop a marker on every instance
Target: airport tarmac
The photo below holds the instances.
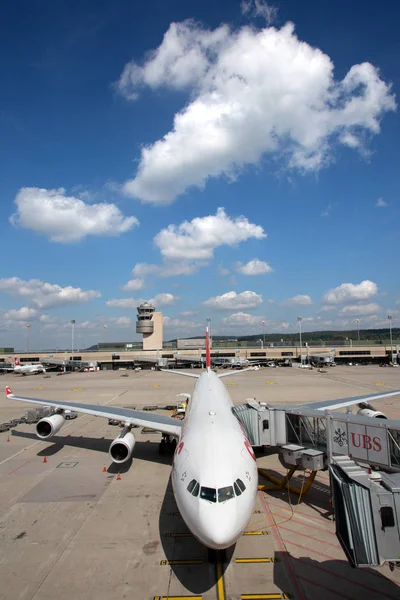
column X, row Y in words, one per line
column 70, row 530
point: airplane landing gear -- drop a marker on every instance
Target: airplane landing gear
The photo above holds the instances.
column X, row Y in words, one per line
column 167, row 444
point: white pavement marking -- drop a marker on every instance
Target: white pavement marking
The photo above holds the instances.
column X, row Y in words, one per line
column 69, row 425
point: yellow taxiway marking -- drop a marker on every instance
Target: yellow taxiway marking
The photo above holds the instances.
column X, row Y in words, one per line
column 39, row 388
column 220, row 582
column 184, row 534
column 195, row 561
column 270, row 382
column 254, row 560
column 231, row 383
column 154, row 385
column 255, row 533
column 378, row 382
column 276, row 596
column 178, row 598
column 77, row 389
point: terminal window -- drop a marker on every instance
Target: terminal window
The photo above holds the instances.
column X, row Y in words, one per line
column 354, row 352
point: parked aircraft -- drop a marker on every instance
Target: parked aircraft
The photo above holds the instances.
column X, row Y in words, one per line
column 214, row 470
column 28, row 369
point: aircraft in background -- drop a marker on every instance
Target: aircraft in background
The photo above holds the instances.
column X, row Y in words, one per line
column 214, row 470
column 28, row 369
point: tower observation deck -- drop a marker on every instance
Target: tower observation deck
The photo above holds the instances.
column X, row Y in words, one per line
column 150, row 324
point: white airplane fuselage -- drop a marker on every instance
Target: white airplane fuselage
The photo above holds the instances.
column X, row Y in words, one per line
column 29, row 369
column 213, row 452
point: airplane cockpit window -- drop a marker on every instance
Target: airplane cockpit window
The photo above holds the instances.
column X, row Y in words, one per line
column 239, row 487
column 225, row 493
column 209, row 494
column 196, row 488
column 191, row 485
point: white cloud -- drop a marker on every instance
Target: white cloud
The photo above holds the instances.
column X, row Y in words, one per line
column 46, row 295
column 197, row 239
column 168, row 269
column 22, row 314
column 176, row 323
column 189, row 313
column 361, row 309
column 162, row 299
column 223, row 271
column 133, row 285
column 259, row 8
column 253, row 267
column 234, row 301
column 121, row 321
column 381, row 203
column 349, row 292
column 241, row 318
column 253, row 93
column 67, row 219
column 299, row 300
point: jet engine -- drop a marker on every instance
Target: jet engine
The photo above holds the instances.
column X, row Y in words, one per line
column 122, row 447
column 49, row 426
column 367, row 410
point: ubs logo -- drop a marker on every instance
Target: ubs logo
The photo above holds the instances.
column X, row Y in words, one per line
column 366, row 442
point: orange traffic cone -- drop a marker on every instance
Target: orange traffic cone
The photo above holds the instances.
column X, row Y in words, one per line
column 104, row 469
column 8, row 439
column 119, row 477
column 45, row 459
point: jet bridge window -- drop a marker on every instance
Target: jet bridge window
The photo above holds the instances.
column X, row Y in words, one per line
column 225, row 493
column 193, row 487
column 209, row 494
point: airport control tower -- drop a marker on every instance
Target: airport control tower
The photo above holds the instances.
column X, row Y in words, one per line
column 150, row 324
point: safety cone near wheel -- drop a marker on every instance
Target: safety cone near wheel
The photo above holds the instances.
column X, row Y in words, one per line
column 45, row 459
column 8, row 439
column 104, row 469
column 119, row 477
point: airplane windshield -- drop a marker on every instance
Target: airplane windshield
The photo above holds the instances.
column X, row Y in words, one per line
column 193, row 487
column 225, row 493
column 209, row 494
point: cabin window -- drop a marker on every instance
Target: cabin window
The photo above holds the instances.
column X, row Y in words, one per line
column 209, row 494
column 225, row 493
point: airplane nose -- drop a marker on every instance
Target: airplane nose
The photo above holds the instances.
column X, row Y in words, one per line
column 219, row 528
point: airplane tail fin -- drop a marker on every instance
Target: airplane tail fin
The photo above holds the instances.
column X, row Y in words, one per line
column 16, row 361
column 208, row 355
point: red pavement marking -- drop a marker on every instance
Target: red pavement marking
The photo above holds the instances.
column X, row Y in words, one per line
column 337, row 546
column 309, row 549
column 20, row 467
column 300, row 595
column 333, row 592
column 300, row 512
column 343, row 578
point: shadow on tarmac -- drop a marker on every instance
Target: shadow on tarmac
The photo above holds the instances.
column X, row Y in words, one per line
column 197, row 578
column 307, row 579
column 147, row 450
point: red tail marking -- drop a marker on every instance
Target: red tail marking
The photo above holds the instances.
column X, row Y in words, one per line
column 16, row 361
column 8, row 391
column 208, row 357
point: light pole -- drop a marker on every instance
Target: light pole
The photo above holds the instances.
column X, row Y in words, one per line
column 28, row 328
column 358, row 329
column 261, row 344
column 391, row 340
column 105, row 334
column 263, row 331
column 208, row 319
column 72, row 338
column 299, row 319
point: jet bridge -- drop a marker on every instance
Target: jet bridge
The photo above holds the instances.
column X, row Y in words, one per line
column 366, row 499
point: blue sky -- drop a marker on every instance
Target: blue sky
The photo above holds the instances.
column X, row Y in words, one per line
column 232, row 160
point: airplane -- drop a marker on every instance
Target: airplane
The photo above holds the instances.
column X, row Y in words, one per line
column 214, row 471
column 29, row 369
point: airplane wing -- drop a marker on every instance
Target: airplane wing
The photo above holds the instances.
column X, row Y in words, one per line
column 173, row 372
column 332, row 404
column 235, row 372
column 161, row 423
